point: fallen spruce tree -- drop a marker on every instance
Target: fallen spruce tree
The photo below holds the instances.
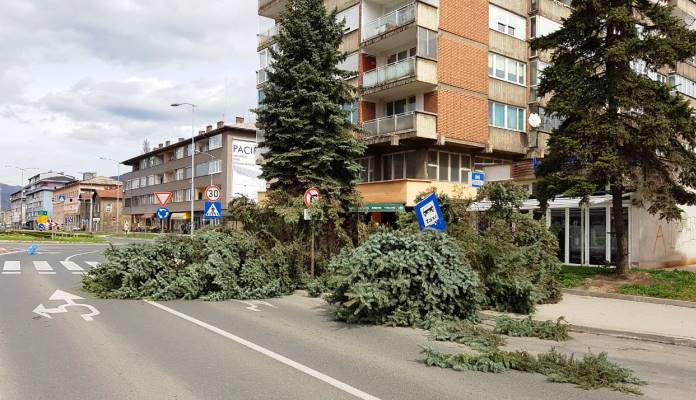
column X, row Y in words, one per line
column 212, row 265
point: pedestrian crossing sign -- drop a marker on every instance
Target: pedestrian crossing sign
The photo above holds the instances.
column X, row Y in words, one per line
column 212, row 210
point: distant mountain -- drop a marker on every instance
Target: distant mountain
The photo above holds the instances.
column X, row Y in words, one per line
column 5, row 192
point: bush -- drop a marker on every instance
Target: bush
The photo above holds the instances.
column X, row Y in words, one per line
column 212, row 266
column 403, row 278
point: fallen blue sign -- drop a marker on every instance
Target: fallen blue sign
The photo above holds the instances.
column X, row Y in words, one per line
column 163, row 213
column 429, row 214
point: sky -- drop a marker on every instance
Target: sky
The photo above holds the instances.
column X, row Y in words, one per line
column 83, row 79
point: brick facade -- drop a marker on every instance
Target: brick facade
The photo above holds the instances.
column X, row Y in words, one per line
column 367, row 111
column 462, row 117
column 462, row 65
column 465, row 18
column 430, row 102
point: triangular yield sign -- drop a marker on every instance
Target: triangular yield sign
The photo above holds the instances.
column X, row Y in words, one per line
column 212, row 211
column 163, row 198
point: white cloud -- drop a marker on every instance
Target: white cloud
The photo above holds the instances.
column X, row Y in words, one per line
column 88, row 78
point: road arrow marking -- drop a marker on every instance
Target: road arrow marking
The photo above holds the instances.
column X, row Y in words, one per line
column 254, row 304
column 69, row 300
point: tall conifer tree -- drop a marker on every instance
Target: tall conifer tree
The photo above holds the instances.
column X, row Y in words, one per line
column 622, row 130
column 309, row 138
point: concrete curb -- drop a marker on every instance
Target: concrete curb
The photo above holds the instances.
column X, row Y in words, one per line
column 645, row 337
column 639, row 299
column 40, row 243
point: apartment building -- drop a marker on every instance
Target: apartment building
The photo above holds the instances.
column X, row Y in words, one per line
column 75, row 204
column 35, row 200
column 225, row 155
column 447, row 87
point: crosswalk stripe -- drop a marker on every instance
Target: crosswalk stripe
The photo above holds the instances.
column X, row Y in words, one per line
column 73, row 267
column 44, row 268
column 11, row 267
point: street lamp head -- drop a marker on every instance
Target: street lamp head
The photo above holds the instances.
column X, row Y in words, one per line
column 175, row 104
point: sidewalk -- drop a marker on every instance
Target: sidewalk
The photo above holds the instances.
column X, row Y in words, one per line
column 657, row 322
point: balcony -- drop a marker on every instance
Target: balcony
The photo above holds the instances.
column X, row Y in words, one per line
column 405, row 191
column 390, row 21
column 556, row 10
column 400, row 78
column 265, row 38
column 396, row 28
column 413, row 124
column 507, row 141
column 272, row 8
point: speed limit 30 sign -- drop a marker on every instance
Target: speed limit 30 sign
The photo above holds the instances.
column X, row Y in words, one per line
column 213, row 193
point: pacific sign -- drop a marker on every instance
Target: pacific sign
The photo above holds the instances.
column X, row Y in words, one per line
column 243, row 152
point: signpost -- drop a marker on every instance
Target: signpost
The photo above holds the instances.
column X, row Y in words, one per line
column 310, row 197
column 163, row 198
column 213, row 210
column 477, row 179
column 213, row 193
column 162, row 214
column 429, row 214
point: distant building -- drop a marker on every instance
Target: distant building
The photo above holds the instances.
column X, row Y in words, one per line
column 33, row 204
column 224, row 156
column 73, row 204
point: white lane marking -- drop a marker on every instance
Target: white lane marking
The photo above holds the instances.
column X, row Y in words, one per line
column 92, row 263
column 282, row 359
column 11, row 267
column 71, row 266
column 44, row 268
column 81, row 254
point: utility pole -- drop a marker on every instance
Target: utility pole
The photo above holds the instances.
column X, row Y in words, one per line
column 193, row 152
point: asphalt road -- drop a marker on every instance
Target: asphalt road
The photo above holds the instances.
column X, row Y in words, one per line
column 288, row 348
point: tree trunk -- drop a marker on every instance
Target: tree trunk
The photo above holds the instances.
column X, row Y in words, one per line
column 619, row 231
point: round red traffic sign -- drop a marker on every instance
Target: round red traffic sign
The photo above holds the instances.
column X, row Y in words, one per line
column 311, row 196
column 213, row 193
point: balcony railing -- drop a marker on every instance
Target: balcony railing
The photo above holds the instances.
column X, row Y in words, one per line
column 390, row 124
column 267, row 35
column 390, row 72
column 387, row 22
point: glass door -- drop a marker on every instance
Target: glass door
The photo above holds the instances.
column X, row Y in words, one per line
column 598, row 236
column 575, row 236
column 558, row 226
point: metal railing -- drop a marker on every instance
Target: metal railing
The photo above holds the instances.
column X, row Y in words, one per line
column 387, row 22
column 268, row 34
column 390, row 124
column 390, row 72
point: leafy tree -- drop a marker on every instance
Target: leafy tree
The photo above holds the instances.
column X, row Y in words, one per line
column 309, row 139
column 621, row 129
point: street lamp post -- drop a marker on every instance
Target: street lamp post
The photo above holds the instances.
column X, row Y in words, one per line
column 118, row 190
column 193, row 151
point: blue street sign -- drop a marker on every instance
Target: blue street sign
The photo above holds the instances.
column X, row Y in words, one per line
column 61, row 198
column 213, row 210
column 163, row 213
column 429, row 214
column 477, row 179
column 41, row 227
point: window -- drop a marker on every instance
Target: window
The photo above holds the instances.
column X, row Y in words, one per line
column 402, row 55
column 151, row 199
column 399, row 165
column 262, row 96
column 188, row 173
column 215, row 142
column 401, row 106
column 143, row 181
column 179, row 153
column 448, row 167
column 178, row 196
column 202, row 169
column 352, row 109
column 541, row 26
column 189, row 150
column 506, row 22
column 548, row 123
column 506, row 117
column 214, row 167
column 535, row 69
column 427, row 43
column 506, row 68
column 683, row 85
column 264, row 58
column 179, row 174
column 350, row 64
column 143, row 163
column 350, row 17
column 367, row 173
column 135, row 183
